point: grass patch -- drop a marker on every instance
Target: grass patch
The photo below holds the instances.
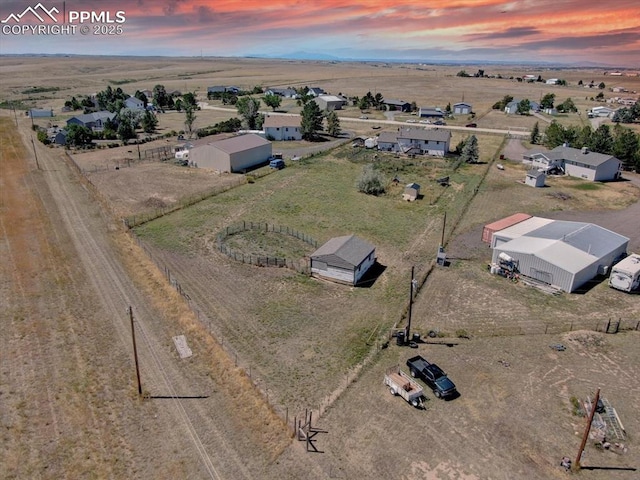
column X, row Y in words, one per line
column 31, row 90
column 586, row 186
column 123, row 81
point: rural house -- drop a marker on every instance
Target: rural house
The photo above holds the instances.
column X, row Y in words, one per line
column 343, row 259
column 134, row 103
column 234, row 154
column 282, row 127
column 462, row 108
column 433, row 113
column 416, row 141
column 397, row 105
column 601, row 111
column 559, row 253
column 282, row 92
column 512, row 107
column 95, row 121
column 316, row 91
column 576, row 162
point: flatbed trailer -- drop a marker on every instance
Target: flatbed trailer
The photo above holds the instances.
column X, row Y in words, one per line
column 403, row 385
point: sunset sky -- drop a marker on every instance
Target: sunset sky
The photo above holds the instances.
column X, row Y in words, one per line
column 565, row 31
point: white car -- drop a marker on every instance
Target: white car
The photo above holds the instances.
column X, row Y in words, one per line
column 425, row 121
column 412, row 121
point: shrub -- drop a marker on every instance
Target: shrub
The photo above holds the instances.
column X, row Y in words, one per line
column 371, row 181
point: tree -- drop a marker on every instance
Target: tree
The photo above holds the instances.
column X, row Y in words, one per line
column 272, row 100
column 567, row 106
column 462, row 73
column 160, row 97
column 249, row 109
column 189, row 117
column 523, row 107
column 142, row 97
column 447, row 109
column 149, row 122
column 333, row 124
column 535, row 134
column 600, row 96
column 583, row 137
column 43, row 137
column 378, row 101
column 580, row 83
column 128, row 121
column 470, row 153
column 554, row 135
column 499, row 105
column 78, row 135
column 311, row 122
column 626, row 146
column 190, row 98
column 547, row 100
column 363, row 103
column 371, row 181
column 601, row 86
column 602, row 140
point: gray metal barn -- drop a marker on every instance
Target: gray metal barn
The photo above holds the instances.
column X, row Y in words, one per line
column 233, row 154
column 560, row 253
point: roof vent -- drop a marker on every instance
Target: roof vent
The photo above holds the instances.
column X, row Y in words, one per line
column 585, row 150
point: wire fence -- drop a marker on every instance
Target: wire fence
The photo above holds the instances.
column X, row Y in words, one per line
column 298, row 265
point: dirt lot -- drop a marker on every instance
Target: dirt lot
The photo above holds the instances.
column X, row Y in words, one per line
column 72, row 280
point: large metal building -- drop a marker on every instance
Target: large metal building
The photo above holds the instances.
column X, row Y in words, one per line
column 560, row 253
column 234, row 154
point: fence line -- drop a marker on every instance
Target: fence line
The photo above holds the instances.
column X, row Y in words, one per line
column 300, row 266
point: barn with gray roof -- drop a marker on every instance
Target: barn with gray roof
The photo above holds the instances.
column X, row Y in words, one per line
column 343, row 259
column 560, row 253
column 235, row 154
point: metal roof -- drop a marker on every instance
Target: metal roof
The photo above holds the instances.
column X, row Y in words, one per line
column 282, row 121
column 582, row 156
column 589, row 238
column 240, row 143
column 346, row 252
column 525, row 226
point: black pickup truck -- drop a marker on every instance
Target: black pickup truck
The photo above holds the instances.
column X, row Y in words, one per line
column 432, row 375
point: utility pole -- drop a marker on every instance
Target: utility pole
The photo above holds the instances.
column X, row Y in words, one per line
column 34, row 152
column 586, row 430
column 135, row 351
column 408, row 330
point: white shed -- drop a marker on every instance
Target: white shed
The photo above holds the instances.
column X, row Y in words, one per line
column 233, row 154
column 343, row 259
column 411, row 192
column 535, row 178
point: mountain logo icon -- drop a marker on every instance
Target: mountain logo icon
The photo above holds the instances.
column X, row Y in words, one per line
column 38, row 11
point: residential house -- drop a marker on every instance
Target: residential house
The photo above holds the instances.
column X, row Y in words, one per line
column 552, row 81
column 582, row 163
column 343, row 259
column 235, row 154
column 462, row 108
column 282, row 92
column 535, row 178
column 416, row 141
column 282, row 127
column 512, row 107
column 316, row 91
column 431, row 113
column 397, row 105
column 601, row 111
column 134, row 103
column 329, row 102
column 95, row 121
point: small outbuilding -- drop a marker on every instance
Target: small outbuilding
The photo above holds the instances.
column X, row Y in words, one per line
column 535, row 178
column 329, row 102
column 40, row 112
column 343, row 259
column 462, row 108
column 411, row 192
column 234, row 154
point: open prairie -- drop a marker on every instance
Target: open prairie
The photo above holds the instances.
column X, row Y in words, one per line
column 302, row 343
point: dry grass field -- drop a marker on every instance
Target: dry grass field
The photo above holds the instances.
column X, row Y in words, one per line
column 313, row 344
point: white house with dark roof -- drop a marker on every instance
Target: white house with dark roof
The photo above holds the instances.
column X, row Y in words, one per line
column 417, row 141
column 134, row 103
column 576, row 162
column 234, row 154
column 343, row 259
column 282, row 127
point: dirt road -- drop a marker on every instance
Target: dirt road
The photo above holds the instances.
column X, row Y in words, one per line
column 68, row 394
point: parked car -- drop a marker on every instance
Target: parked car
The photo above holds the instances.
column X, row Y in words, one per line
column 471, row 125
column 363, row 117
column 432, row 375
column 424, row 121
column 412, row 121
column 277, row 163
